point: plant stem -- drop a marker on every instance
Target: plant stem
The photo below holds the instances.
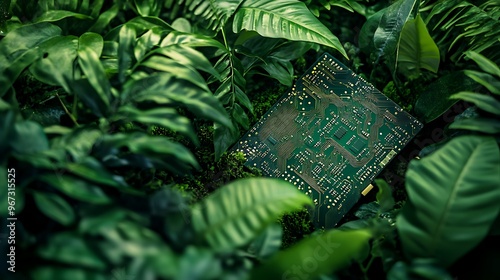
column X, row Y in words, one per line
column 66, row 110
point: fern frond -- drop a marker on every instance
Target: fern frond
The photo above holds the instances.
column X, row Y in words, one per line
column 462, row 26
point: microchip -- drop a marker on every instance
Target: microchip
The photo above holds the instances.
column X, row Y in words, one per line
column 357, row 146
column 330, row 135
column 340, row 133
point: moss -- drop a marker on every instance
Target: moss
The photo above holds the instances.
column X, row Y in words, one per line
column 296, row 226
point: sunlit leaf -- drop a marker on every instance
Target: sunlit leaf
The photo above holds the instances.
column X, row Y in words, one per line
column 453, row 190
column 287, row 19
column 236, row 213
column 323, row 253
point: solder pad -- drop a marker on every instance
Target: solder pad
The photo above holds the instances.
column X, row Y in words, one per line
column 330, row 135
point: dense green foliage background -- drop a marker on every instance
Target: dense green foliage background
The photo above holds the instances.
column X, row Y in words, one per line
column 117, row 117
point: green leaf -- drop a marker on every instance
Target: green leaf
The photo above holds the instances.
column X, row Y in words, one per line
column 434, row 98
column 483, row 125
column 288, row 19
column 92, row 170
column 54, row 207
column 76, row 188
column 484, row 63
column 482, row 101
column 324, row 253
column 72, row 249
column 267, row 243
column 188, row 56
column 125, row 50
column 486, row 80
column 148, row 7
column 240, row 116
column 384, row 195
column 453, row 199
column 28, row 138
column 92, row 41
column 224, row 137
column 56, row 15
column 105, row 18
column 190, row 40
column 165, row 117
column 146, row 42
column 165, row 89
column 416, row 49
column 236, row 213
column 177, row 69
column 27, row 37
column 57, row 64
column 12, row 69
column 386, row 36
column 96, row 76
column 97, row 103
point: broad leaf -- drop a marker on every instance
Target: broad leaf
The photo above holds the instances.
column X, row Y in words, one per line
column 416, row 49
column 482, row 101
column 453, row 199
column 57, row 64
column 125, row 50
column 236, row 213
column 434, row 98
column 324, row 253
column 92, row 41
column 289, row 19
column 92, row 170
column 386, row 36
column 54, row 207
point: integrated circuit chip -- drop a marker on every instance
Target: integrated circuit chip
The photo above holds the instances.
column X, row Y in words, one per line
column 330, row 136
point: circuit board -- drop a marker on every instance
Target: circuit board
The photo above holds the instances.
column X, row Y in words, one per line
column 330, row 136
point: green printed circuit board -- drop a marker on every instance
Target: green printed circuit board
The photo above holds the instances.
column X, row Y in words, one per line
column 330, row 136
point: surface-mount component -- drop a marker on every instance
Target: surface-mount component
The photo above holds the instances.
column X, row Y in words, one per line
column 330, row 135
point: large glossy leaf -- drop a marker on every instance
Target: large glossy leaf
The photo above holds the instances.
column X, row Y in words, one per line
column 54, row 207
column 416, row 49
column 316, row 255
column 267, row 243
column 434, row 98
column 92, row 41
column 289, row 19
column 453, row 199
column 386, row 36
column 236, row 213
column 125, row 50
column 56, row 66
column 17, row 50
